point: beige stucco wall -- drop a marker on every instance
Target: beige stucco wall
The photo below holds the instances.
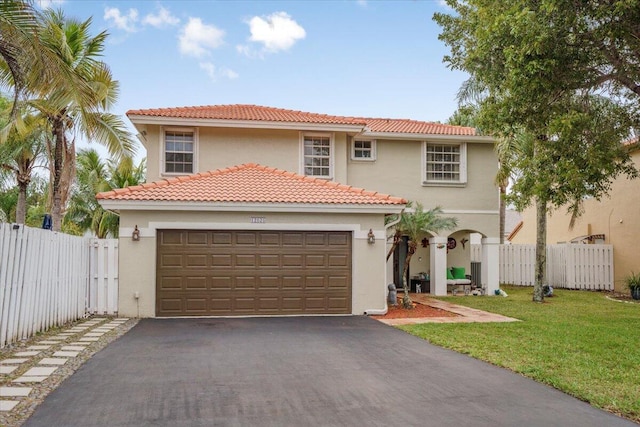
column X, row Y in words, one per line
column 616, row 216
column 138, row 259
column 397, row 169
column 219, row 148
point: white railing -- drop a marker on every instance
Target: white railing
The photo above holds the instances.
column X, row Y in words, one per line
column 569, row 266
column 47, row 279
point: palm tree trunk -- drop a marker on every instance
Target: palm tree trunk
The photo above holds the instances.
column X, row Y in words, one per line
column 56, row 188
column 503, row 211
column 396, row 240
column 406, row 300
column 21, row 206
column 541, row 249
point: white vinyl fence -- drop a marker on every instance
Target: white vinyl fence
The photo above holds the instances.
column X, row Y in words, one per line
column 569, row 266
column 47, row 279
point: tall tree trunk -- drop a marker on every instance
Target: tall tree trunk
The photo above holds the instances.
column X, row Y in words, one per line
column 406, row 300
column 21, row 206
column 396, row 239
column 541, row 249
column 58, row 160
column 503, row 211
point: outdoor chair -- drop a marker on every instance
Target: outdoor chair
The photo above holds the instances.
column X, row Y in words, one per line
column 456, row 277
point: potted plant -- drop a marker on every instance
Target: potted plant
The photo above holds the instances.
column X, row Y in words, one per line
column 633, row 283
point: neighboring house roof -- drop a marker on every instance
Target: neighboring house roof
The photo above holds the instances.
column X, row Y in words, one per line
column 250, row 183
column 512, row 219
column 259, row 114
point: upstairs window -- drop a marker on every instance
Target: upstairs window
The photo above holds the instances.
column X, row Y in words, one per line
column 445, row 163
column 179, row 151
column 317, row 155
column 363, row 149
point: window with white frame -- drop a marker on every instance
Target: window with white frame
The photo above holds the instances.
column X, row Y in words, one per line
column 363, row 149
column 445, row 163
column 179, row 150
column 317, row 152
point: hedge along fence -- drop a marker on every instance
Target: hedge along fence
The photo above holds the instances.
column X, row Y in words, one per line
column 48, row 279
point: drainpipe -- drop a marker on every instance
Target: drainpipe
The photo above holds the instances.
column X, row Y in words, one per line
column 377, row 311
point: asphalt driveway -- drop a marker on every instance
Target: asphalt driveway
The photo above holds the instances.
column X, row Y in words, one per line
column 305, row 371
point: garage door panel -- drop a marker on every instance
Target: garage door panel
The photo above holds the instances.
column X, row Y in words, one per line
column 245, row 283
column 316, row 239
column 199, row 260
column 338, row 260
column 221, row 238
column 339, row 240
column 225, row 260
column 317, row 282
column 270, row 260
column 253, row 273
column 268, row 282
column 195, row 283
column 171, row 260
column 292, row 260
column 171, row 237
column 197, row 238
column 245, row 260
column 246, row 239
column 269, row 239
column 196, row 306
column 170, row 283
column 337, row 303
column 315, row 260
column 338, row 282
column 293, row 283
column 221, row 283
column 292, row 239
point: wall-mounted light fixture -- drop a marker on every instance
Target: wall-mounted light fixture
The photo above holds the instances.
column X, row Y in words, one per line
column 135, row 236
column 371, row 238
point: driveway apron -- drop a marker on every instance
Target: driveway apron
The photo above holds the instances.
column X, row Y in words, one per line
column 302, row 371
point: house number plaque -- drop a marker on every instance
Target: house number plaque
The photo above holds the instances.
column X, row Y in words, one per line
column 258, row 220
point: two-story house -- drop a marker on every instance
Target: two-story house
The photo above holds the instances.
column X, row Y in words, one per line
column 253, row 210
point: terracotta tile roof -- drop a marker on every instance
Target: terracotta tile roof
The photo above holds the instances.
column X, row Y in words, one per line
column 414, row 126
column 246, row 112
column 270, row 114
column 250, row 183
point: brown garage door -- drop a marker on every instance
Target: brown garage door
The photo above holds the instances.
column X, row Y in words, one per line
column 234, row 273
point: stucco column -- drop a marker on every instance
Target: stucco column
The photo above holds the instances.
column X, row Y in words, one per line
column 438, row 265
column 491, row 264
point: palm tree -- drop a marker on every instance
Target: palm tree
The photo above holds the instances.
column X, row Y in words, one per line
column 93, row 176
column 69, row 108
column 19, row 156
column 414, row 223
column 26, row 65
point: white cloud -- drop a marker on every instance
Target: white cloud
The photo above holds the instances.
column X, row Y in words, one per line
column 362, row 3
column 163, row 18
column 197, row 39
column 123, row 22
column 276, row 32
column 213, row 72
column 247, row 50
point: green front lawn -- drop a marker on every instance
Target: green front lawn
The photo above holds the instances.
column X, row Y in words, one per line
column 577, row 341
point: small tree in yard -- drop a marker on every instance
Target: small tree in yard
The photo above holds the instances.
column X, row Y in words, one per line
column 414, row 223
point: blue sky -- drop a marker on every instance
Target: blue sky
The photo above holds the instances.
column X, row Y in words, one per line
column 355, row 58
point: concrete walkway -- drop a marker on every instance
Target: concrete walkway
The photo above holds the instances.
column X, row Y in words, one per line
column 466, row 314
column 298, row 371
